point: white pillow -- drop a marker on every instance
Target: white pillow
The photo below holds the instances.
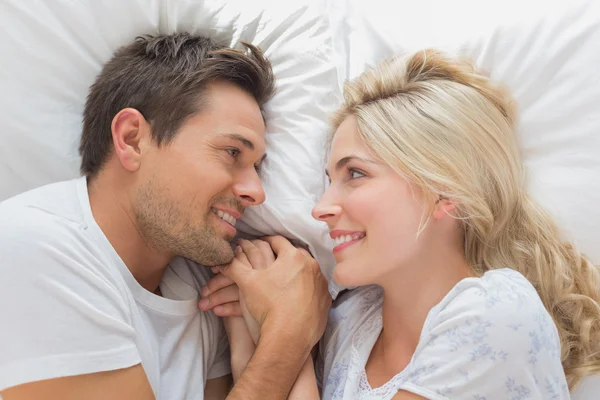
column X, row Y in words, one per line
column 54, row 49
column 547, row 52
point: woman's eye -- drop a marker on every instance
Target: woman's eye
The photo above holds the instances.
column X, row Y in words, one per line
column 354, row 174
column 233, row 152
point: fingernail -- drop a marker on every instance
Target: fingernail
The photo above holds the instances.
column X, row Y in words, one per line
column 204, row 303
column 205, row 291
column 238, row 249
column 218, row 309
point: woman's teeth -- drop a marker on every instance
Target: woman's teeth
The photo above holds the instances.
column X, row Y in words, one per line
column 347, row 238
column 226, row 217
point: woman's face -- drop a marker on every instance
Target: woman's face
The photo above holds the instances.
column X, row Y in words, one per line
column 373, row 214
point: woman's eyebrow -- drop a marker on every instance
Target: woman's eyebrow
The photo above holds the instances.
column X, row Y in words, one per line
column 345, row 160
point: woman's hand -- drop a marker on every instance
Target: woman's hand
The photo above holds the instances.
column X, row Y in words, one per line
column 259, row 255
column 221, row 295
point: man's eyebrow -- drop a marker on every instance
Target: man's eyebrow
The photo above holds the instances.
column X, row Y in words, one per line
column 241, row 139
column 344, row 161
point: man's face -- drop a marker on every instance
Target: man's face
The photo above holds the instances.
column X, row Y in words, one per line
column 194, row 189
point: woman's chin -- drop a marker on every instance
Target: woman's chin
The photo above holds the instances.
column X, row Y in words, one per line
column 345, row 275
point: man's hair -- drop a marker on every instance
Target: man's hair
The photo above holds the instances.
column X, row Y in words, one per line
column 164, row 77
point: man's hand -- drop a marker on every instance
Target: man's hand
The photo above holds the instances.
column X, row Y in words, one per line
column 287, row 298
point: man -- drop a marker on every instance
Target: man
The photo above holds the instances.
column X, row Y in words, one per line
column 94, row 303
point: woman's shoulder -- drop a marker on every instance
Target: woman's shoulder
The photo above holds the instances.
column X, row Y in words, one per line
column 491, row 326
column 497, row 294
column 500, row 310
column 501, row 300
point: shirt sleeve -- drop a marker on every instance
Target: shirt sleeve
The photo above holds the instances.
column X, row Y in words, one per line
column 62, row 311
column 488, row 345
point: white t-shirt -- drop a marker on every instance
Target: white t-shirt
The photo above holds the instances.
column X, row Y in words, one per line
column 490, row 338
column 70, row 306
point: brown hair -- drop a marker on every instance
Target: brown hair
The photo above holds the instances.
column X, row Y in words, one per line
column 163, row 77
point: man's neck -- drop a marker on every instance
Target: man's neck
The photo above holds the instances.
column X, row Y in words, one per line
column 111, row 208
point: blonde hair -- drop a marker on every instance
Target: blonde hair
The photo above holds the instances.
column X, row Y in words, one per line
column 449, row 130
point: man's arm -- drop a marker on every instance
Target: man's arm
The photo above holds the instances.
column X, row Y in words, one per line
column 274, row 367
column 65, row 319
column 289, row 300
column 123, row 384
column 305, row 387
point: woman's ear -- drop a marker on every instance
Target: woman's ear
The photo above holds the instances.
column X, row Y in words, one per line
column 443, row 206
column 129, row 131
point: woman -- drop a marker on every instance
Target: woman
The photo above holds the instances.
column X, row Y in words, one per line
column 466, row 290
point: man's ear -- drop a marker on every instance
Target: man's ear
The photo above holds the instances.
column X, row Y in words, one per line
column 443, row 206
column 130, row 134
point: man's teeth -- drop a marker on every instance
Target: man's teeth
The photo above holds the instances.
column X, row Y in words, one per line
column 226, row 217
column 347, row 238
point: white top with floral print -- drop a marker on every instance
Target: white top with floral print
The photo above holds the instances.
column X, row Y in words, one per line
column 489, row 338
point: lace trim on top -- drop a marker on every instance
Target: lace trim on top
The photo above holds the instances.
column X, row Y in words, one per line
column 366, row 332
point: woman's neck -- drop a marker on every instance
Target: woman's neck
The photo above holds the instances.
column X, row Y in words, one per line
column 408, row 298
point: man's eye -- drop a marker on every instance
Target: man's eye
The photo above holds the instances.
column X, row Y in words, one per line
column 233, row 152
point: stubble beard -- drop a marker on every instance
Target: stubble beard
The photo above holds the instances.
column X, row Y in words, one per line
column 166, row 226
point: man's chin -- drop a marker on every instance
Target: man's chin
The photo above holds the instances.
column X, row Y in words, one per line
column 219, row 254
column 218, row 263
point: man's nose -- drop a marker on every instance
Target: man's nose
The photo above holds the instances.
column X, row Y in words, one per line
column 249, row 189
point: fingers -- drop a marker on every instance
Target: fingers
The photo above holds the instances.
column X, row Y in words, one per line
column 253, row 254
column 229, row 310
column 226, row 295
column 217, row 282
column 279, row 244
column 237, row 271
column 240, row 255
column 266, row 250
column 305, row 252
column 258, row 252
